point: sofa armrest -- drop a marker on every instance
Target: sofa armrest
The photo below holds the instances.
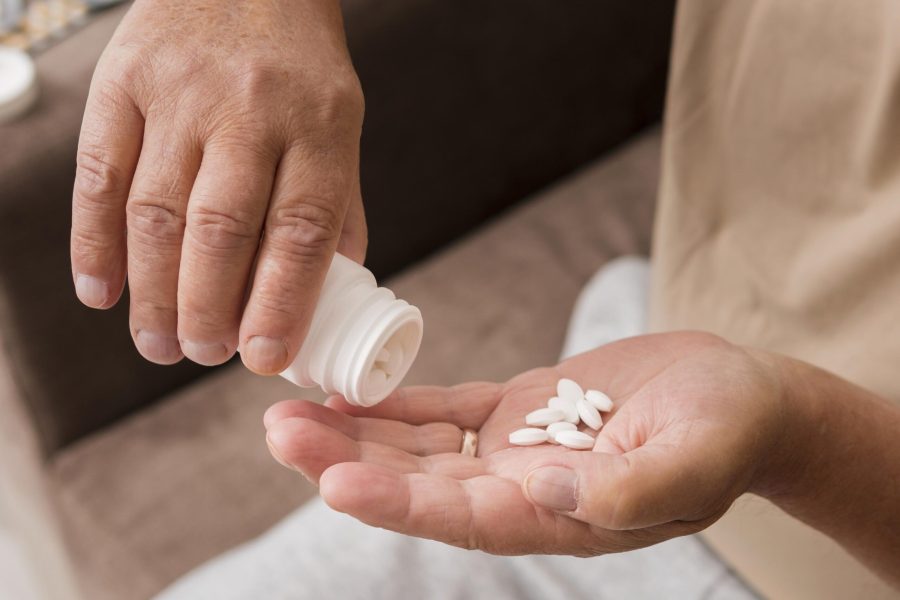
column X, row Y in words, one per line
column 75, row 368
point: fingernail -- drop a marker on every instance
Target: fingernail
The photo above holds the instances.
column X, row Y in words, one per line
column 552, row 487
column 276, row 455
column 91, row 291
column 162, row 349
column 264, row 354
column 205, row 354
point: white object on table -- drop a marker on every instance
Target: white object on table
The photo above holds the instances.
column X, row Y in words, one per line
column 18, row 83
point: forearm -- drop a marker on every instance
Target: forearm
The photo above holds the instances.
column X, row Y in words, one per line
column 838, row 468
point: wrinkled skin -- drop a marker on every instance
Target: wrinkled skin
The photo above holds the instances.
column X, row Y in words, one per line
column 695, row 423
column 208, row 125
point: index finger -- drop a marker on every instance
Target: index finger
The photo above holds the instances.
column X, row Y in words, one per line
column 484, row 512
column 465, row 405
column 108, row 149
column 302, row 229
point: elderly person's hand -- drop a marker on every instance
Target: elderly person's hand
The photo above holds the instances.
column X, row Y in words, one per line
column 697, row 422
column 218, row 169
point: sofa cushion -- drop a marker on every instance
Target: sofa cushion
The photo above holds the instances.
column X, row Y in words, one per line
column 149, row 499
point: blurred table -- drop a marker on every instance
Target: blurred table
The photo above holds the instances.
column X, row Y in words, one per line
column 34, row 25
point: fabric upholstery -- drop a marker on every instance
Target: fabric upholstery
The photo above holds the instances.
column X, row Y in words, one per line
column 190, row 477
column 471, row 105
column 75, row 368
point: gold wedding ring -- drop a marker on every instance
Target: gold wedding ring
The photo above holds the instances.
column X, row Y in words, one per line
column 469, row 444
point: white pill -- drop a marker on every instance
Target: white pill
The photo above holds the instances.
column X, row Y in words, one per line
column 554, row 428
column 569, row 409
column 395, row 361
column 383, row 356
column 569, row 390
column 576, row 440
column 530, row 436
column 376, row 381
column 590, row 416
column 601, row 401
column 544, row 416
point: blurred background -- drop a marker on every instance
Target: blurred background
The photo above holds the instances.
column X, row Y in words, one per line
column 509, row 150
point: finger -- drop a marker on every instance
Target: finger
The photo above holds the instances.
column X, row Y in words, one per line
column 311, row 447
column 652, row 485
column 355, row 233
column 421, row 440
column 108, row 149
column 309, row 203
column 224, row 219
column 484, row 512
column 466, row 405
column 156, row 216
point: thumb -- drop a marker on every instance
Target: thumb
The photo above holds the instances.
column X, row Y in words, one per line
column 642, row 488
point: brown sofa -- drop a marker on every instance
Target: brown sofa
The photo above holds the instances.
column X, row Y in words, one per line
column 496, row 183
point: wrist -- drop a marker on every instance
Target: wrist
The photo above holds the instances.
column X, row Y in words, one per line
column 792, row 454
column 835, row 464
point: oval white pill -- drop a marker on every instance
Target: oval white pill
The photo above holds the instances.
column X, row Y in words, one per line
column 569, row 390
column 599, row 400
column 530, row 436
column 395, row 360
column 376, row 381
column 567, row 406
column 544, row 416
column 576, row 440
column 554, row 428
column 383, row 356
column 590, row 416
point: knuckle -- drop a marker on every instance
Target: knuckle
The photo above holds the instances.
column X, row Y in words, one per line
column 126, row 68
column 337, row 114
column 195, row 316
column 97, row 177
column 305, row 229
column 275, row 304
column 151, row 218
column 154, row 310
column 342, row 101
column 112, row 92
column 217, row 230
column 257, row 78
column 90, row 244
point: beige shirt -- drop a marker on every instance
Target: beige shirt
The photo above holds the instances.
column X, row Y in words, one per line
column 779, row 223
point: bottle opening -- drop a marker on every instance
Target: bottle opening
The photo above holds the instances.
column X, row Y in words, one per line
column 391, row 361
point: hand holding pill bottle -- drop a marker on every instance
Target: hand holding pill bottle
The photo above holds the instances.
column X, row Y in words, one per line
column 218, row 173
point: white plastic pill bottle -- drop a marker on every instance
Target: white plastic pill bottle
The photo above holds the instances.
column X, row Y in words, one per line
column 362, row 339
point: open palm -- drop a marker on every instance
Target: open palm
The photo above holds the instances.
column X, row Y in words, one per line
column 694, row 417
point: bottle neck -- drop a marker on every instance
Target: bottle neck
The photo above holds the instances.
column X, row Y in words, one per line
column 362, row 340
column 377, row 350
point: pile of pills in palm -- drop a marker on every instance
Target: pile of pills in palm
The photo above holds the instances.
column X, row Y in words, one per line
column 571, row 406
